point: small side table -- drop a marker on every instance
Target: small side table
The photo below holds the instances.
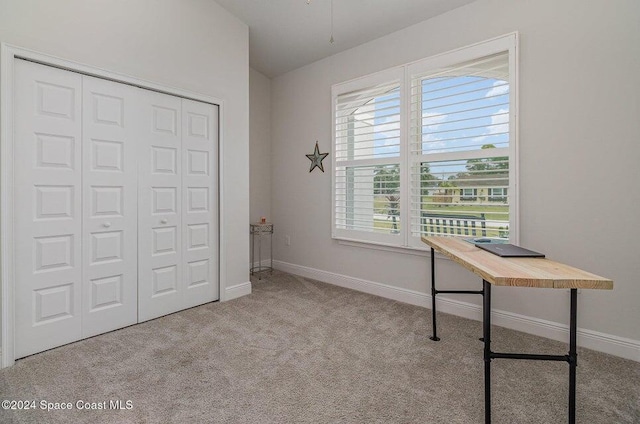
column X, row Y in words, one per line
column 260, row 230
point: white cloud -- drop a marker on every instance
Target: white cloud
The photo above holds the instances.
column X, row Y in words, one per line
column 499, row 122
column 499, row 87
column 479, row 139
column 391, row 132
column 433, row 119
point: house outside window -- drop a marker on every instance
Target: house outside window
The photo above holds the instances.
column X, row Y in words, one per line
column 434, row 138
column 469, row 194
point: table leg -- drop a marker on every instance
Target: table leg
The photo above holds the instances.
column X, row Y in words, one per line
column 435, row 292
column 486, row 335
column 433, row 297
column 573, row 355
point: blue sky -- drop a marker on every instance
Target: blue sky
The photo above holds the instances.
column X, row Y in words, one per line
column 459, row 113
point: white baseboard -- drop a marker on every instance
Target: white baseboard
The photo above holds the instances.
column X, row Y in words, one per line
column 237, row 291
column 607, row 343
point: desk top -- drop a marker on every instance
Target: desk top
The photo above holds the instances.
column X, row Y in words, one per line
column 520, row 272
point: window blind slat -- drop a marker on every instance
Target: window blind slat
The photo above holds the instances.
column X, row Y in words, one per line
column 436, row 116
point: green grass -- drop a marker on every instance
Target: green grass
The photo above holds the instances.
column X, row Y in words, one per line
column 497, row 212
column 383, row 224
column 491, row 212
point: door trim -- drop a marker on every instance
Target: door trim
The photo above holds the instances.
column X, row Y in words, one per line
column 8, row 55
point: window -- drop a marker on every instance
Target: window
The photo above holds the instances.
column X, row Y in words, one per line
column 498, row 194
column 366, row 173
column 434, row 139
column 469, row 194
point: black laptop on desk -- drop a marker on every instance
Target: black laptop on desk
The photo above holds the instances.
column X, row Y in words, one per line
column 509, row 250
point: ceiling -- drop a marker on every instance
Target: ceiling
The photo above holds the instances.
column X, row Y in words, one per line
column 287, row 34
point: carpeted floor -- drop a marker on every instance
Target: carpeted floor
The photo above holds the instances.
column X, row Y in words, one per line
column 300, row 351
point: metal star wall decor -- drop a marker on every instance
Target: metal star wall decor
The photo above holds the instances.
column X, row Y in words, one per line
column 316, row 158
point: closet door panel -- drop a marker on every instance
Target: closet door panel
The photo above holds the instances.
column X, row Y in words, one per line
column 160, row 206
column 47, row 207
column 109, row 206
column 199, row 200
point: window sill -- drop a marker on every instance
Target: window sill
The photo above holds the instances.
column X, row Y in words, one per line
column 414, row 251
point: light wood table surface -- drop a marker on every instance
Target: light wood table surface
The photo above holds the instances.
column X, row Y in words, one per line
column 515, row 272
column 520, row 272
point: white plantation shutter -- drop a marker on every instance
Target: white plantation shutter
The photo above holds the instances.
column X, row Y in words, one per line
column 428, row 148
column 460, row 149
column 367, row 162
column 368, row 123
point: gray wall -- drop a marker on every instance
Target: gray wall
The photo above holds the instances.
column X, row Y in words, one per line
column 579, row 152
column 260, row 150
column 189, row 44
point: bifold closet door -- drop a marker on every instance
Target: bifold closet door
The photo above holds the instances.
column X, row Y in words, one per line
column 200, row 205
column 75, row 207
column 159, row 208
column 47, row 207
column 110, row 185
column 116, row 205
column 178, row 222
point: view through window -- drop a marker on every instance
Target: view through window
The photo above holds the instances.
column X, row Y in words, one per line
column 427, row 149
column 460, row 149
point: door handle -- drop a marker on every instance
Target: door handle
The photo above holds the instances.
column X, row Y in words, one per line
column 163, row 221
column 106, row 225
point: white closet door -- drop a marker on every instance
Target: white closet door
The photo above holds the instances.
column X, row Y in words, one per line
column 199, row 200
column 110, row 186
column 47, row 209
column 159, row 206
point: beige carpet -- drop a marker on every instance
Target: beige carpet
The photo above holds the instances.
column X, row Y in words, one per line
column 299, row 351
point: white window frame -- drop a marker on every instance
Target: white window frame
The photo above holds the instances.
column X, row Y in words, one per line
column 506, row 43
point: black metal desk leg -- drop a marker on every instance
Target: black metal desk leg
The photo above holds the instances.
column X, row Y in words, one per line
column 573, row 355
column 486, row 335
column 433, row 297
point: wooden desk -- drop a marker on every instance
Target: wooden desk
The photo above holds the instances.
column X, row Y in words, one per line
column 517, row 272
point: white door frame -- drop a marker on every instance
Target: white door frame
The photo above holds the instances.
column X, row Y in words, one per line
column 8, row 55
